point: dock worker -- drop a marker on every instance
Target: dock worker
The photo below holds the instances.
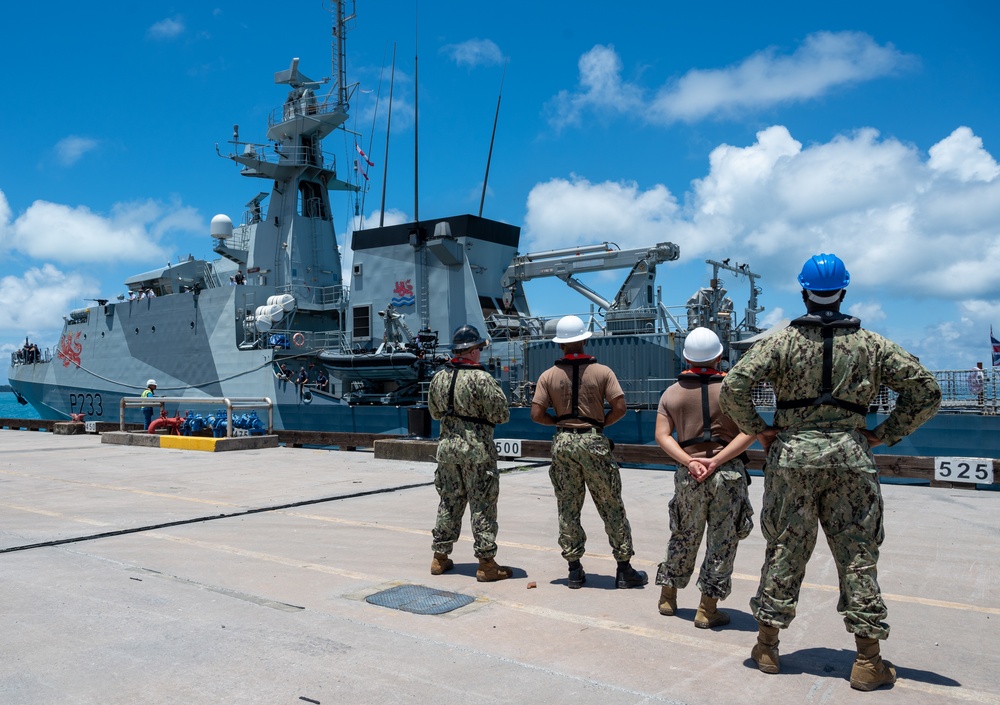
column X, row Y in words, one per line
column 468, row 402
column 710, row 484
column 577, row 387
column 824, row 369
column 147, row 411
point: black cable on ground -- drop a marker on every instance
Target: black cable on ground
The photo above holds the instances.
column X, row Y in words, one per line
column 165, row 525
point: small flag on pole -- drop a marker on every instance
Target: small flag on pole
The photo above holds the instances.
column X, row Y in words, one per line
column 363, row 155
column 996, row 348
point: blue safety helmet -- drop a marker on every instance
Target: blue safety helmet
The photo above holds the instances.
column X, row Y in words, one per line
column 824, row 273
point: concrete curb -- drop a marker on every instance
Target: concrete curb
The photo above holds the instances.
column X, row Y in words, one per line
column 152, row 440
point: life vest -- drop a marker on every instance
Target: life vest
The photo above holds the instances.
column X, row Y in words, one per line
column 456, row 365
column 828, row 322
column 706, row 378
column 576, row 362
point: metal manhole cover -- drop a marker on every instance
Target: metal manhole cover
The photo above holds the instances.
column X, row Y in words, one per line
column 419, row 599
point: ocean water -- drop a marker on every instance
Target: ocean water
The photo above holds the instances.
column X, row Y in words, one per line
column 10, row 409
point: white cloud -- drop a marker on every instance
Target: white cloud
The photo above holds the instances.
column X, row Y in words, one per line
column 474, row 52
column 912, row 231
column 601, row 87
column 168, row 28
column 132, row 232
column 42, row 294
column 961, row 155
column 562, row 213
column 823, row 62
column 869, row 312
column 70, row 149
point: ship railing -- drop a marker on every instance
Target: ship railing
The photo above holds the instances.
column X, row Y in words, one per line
column 229, row 403
column 974, row 391
column 240, row 239
column 21, row 357
column 334, row 296
column 303, row 340
column 644, row 393
column 306, row 106
column 291, row 155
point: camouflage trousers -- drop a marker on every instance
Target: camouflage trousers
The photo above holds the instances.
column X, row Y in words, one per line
column 719, row 505
column 581, row 462
column 475, row 485
column 847, row 503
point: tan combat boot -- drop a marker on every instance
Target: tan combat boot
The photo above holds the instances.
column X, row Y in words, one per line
column 489, row 571
column 708, row 616
column 765, row 653
column 870, row 671
column 668, row 601
column 441, row 564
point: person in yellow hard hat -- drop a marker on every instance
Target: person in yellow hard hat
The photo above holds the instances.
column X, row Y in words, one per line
column 147, row 411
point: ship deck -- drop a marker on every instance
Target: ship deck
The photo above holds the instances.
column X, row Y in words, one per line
column 166, row 576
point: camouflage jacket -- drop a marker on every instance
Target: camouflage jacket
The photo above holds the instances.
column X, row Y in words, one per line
column 792, row 362
column 477, row 396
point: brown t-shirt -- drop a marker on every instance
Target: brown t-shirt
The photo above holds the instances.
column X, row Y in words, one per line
column 597, row 385
column 682, row 404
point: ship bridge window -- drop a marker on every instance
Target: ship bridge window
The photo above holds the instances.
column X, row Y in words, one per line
column 361, row 322
column 311, row 204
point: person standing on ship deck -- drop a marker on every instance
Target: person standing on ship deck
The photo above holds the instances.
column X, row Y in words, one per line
column 576, row 388
column 825, row 370
column 468, row 402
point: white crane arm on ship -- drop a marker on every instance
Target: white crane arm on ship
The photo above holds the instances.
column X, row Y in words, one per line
column 592, row 258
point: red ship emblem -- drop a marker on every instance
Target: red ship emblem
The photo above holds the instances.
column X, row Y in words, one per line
column 403, row 293
column 70, row 349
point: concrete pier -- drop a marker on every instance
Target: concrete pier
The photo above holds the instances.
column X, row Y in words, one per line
column 157, row 575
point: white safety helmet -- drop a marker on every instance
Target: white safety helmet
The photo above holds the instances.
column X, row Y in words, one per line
column 571, row 329
column 702, row 345
column 151, row 383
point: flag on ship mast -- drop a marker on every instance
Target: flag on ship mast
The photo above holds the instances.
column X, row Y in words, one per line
column 996, row 348
column 363, row 155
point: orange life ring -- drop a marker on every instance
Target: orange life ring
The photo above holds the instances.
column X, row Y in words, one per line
column 299, row 340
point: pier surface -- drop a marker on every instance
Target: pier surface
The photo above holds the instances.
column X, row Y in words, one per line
column 161, row 576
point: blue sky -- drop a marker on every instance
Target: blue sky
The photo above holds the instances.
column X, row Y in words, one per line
column 762, row 135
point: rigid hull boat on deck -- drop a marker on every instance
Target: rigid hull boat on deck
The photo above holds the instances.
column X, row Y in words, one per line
column 273, row 304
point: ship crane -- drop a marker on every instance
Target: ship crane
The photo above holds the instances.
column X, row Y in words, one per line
column 635, row 294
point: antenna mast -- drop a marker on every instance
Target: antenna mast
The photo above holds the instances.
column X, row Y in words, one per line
column 493, row 136
column 416, row 121
column 388, row 128
column 338, row 62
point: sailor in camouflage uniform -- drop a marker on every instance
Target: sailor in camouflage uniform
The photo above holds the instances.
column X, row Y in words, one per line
column 710, row 484
column 468, row 402
column 825, row 370
column 576, row 388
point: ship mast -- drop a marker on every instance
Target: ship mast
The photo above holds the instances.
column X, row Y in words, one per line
column 338, row 61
